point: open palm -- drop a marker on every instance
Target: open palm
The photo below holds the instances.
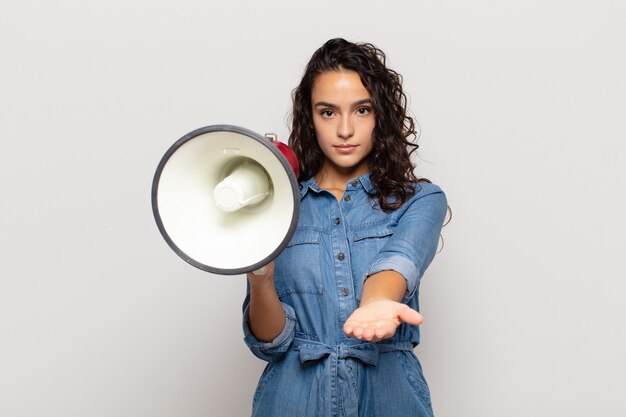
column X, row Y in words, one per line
column 378, row 320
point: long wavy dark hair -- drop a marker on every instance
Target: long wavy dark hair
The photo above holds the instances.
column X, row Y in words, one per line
column 391, row 169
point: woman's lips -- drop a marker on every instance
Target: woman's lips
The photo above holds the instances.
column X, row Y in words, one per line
column 345, row 148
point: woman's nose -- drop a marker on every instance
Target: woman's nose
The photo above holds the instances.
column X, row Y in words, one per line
column 345, row 129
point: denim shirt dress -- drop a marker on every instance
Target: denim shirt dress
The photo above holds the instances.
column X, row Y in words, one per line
column 313, row 368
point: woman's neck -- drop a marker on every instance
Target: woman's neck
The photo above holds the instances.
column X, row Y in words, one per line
column 336, row 181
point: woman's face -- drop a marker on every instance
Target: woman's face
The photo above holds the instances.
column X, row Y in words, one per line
column 344, row 119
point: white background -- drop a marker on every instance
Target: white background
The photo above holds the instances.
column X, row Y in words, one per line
column 521, row 105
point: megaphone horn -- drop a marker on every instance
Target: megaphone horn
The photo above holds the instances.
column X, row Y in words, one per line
column 226, row 199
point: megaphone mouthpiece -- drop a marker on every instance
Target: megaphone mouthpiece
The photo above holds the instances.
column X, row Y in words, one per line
column 248, row 184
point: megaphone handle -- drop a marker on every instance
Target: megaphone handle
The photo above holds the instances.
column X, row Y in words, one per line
column 264, row 271
column 261, row 271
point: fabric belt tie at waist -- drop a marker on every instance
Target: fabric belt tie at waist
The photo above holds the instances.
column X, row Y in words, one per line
column 365, row 352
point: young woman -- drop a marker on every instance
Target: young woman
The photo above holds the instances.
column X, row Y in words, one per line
column 336, row 315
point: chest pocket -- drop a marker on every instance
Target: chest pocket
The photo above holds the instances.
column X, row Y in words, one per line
column 298, row 268
column 366, row 244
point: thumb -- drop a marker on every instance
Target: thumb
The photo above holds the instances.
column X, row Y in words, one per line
column 410, row 316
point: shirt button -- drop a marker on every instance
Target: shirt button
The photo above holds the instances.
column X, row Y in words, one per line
column 341, row 256
column 345, row 292
column 347, row 198
column 337, row 220
column 354, row 183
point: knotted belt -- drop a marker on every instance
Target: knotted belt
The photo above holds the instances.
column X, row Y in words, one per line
column 367, row 353
column 334, row 394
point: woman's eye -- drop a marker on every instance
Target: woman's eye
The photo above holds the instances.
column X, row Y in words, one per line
column 363, row 110
column 326, row 113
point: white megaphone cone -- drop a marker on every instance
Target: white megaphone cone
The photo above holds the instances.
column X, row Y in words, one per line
column 226, row 199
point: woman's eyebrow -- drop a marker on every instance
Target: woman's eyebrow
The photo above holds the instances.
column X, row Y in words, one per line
column 362, row 102
column 334, row 106
column 325, row 104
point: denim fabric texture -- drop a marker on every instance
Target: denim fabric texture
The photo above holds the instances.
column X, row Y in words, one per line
column 313, row 368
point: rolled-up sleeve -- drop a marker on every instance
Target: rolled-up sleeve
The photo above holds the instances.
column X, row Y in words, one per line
column 269, row 351
column 412, row 247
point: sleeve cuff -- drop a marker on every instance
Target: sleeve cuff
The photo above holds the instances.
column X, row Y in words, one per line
column 271, row 350
column 401, row 265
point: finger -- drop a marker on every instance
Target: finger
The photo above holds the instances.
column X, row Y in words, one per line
column 382, row 333
column 411, row 316
column 368, row 333
column 358, row 332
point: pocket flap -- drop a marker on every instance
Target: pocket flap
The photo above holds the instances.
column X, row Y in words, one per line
column 372, row 232
column 302, row 236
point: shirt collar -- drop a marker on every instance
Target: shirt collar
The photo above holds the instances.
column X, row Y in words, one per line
column 308, row 184
column 366, row 182
column 311, row 184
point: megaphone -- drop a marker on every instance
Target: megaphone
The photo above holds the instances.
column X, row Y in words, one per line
column 226, row 199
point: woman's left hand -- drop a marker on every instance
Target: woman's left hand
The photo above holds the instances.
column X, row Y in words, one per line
column 379, row 319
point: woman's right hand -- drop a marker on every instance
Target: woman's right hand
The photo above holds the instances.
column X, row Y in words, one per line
column 266, row 315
